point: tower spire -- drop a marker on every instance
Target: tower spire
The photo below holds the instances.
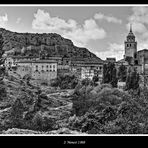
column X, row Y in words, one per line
column 130, row 27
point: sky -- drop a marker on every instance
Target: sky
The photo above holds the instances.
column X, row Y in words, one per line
column 100, row 29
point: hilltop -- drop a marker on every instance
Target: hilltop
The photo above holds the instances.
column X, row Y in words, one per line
column 47, row 44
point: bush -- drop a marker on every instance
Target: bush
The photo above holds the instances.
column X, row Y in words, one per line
column 132, row 81
column 65, row 82
column 126, row 118
column 86, row 82
column 43, row 122
column 109, row 74
column 95, row 98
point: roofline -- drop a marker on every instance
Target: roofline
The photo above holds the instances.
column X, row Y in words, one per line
column 39, row 61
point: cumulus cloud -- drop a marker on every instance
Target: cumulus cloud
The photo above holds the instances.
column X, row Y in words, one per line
column 80, row 34
column 3, row 20
column 110, row 19
column 114, row 50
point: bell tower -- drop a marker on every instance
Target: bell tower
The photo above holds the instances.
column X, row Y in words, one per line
column 130, row 45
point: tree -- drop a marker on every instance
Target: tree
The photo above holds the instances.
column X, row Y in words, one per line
column 95, row 79
column 132, row 81
column 2, row 70
column 122, row 73
column 109, row 74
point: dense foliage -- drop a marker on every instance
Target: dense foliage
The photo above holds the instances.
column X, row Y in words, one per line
column 132, row 81
column 122, row 73
column 107, row 110
column 109, row 74
column 2, row 71
column 65, row 82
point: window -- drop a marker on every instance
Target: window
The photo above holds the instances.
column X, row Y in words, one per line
column 50, row 68
column 36, row 68
column 46, row 67
column 54, row 68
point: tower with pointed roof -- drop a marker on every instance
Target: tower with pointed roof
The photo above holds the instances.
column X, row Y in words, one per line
column 130, row 45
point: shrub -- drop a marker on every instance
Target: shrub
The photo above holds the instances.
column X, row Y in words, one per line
column 109, row 74
column 86, row 82
column 65, row 82
column 132, row 81
column 95, row 98
column 43, row 122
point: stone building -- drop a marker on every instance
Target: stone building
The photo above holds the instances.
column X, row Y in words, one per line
column 130, row 46
column 143, row 61
column 87, row 68
column 12, row 61
column 132, row 57
column 44, row 70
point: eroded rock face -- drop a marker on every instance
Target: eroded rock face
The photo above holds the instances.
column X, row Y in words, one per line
column 51, row 44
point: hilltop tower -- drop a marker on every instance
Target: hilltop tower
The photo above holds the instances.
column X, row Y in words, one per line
column 130, row 45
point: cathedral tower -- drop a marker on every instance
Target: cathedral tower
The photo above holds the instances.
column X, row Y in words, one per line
column 130, row 45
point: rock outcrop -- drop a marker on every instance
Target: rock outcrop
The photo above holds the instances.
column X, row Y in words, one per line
column 46, row 45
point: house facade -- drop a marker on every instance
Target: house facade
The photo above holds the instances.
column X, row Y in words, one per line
column 44, row 70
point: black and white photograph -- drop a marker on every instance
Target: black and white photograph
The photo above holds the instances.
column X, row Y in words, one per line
column 73, row 70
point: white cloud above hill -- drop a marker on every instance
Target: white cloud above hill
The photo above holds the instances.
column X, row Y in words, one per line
column 80, row 34
column 3, row 20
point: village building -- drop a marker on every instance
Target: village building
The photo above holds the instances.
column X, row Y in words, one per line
column 132, row 57
column 44, row 70
column 87, row 68
column 112, row 60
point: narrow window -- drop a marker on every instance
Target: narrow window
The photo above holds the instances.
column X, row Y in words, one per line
column 50, row 67
column 36, row 68
column 46, row 67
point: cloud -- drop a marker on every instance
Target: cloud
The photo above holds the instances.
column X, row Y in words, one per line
column 114, row 50
column 110, row 19
column 18, row 20
column 80, row 34
column 3, row 20
column 139, row 20
column 137, row 27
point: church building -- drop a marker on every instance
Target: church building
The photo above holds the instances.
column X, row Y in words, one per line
column 131, row 54
column 130, row 46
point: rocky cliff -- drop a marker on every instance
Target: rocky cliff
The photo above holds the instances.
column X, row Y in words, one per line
column 34, row 44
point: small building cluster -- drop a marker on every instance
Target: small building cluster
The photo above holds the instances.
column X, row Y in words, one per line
column 51, row 68
column 48, row 69
column 133, row 58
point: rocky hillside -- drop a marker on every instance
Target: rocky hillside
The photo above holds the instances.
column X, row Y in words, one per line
column 34, row 44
